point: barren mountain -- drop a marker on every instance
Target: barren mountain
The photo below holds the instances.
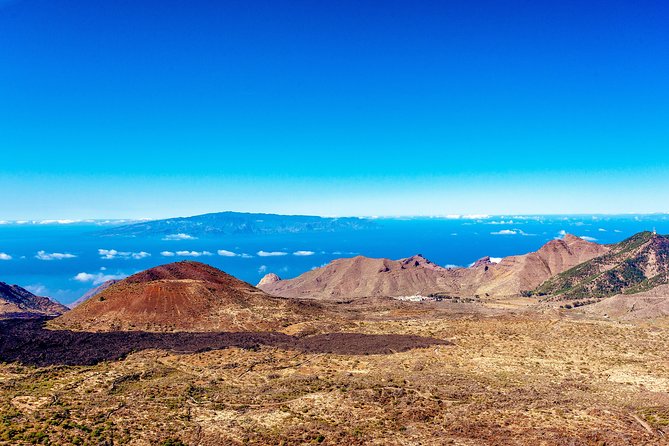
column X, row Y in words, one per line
column 365, row 277
column 184, row 296
column 19, row 302
column 515, row 274
column 636, row 264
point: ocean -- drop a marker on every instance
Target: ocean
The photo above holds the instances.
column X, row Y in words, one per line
column 64, row 260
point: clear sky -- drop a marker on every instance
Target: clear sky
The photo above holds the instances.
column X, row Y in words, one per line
column 162, row 108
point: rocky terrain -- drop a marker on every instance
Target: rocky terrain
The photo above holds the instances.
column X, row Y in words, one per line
column 185, row 296
column 362, row 276
column 19, row 302
column 651, row 304
column 506, row 379
column 223, row 223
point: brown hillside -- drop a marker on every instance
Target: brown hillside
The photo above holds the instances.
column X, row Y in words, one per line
column 525, row 272
column 184, row 296
column 365, row 277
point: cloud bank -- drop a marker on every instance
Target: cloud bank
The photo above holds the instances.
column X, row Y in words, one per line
column 271, row 253
column 97, row 278
column 511, row 232
column 185, row 253
column 303, row 253
column 111, row 254
column 226, row 253
column 179, row 236
column 43, row 255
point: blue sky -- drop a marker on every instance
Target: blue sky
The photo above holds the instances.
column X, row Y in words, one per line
column 162, row 108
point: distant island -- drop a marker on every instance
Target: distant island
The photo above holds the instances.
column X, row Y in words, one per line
column 226, row 223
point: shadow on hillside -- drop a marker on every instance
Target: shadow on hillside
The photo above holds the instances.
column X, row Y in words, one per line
column 28, row 342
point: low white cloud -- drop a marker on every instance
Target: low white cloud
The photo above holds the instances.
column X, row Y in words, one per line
column 179, row 236
column 512, row 232
column 226, row 253
column 303, row 253
column 262, row 269
column 617, row 230
column 167, row 254
column 475, row 216
column 601, row 230
column 58, row 222
column 193, row 253
column 5, row 256
column 505, row 232
column 111, row 254
column 271, row 253
column 502, row 222
column 587, row 238
column 43, row 255
column 340, row 253
column 97, row 278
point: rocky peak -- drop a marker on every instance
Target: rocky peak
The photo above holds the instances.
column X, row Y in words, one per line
column 418, row 261
column 570, row 238
column 484, row 261
column 268, row 279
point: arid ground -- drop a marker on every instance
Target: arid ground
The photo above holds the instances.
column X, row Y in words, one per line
column 496, row 378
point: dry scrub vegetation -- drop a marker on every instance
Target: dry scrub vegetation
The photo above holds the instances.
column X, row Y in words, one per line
column 507, row 379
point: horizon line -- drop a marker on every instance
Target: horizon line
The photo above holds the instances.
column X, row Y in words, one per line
column 450, row 216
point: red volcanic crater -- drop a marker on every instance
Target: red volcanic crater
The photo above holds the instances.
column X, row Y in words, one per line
column 184, row 296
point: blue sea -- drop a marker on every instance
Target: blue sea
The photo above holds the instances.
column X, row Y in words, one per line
column 63, row 260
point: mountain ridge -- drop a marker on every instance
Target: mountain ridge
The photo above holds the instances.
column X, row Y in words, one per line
column 16, row 301
column 366, row 277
